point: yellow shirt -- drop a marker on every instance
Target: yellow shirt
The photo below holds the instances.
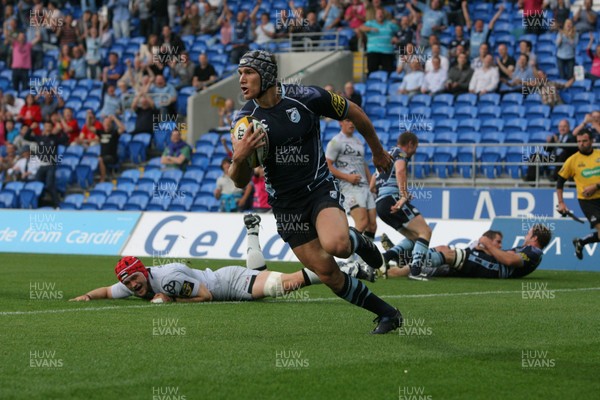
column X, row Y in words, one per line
column 585, row 171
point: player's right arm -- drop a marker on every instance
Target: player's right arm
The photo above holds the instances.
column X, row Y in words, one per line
column 240, row 171
column 96, row 294
column 564, row 174
column 400, row 168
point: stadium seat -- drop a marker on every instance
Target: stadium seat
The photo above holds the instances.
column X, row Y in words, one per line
column 104, row 188
column 171, row 177
column 14, row 187
column 492, row 125
column 538, row 111
column 398, row 100
column 92, row 151
column 146, row 188
column 468, row 137
column 129, row 175
column 126, row 188
column 583, row 99
column 392, row 89
column 582, row 110
column 491, row 157
column 446, row 157
column 450, row 124
column 420, row 100
column 466, row 158
column 465, row 99
column 397, row 111
column 492, row 137
column 30, row 194
column 375, row 112
column 159, row 203
column 442, row 112
column 420, row 162
column 138, row 147
column 517, row 137
column 189, row 188
column 489, row 99
column 538, row 124
column 375, row 99
column 181, row 203
column 378, row 76
column 468, row 125
column 512, row 98
column 419, row 113
column 563, row 111
column 152, row 176
column 72, row 201
column 116, row 201
column 161, row 138
column 466, row 112
column 139, row 202
column 153, row 163
column 534, row 99
column 377, row 88
column 515, row 125
column 382, row 125
column 538, row 137
column 7, row 199
column 63, row 176
column 84, row 171
column 515, row 155
column 200, row 160
column 74, row 150
column 445, row 138
column 442, row 100
column 489, row 112
column 513, row 111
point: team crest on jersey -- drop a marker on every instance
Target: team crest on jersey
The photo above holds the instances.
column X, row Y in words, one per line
column 293, row 114
column 172, row 287
column 333, row 194
column 187, row 289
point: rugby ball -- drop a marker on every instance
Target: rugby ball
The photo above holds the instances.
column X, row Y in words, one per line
column 258, row 156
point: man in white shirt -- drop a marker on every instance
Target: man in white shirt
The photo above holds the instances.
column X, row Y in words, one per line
column 485, row 79
column 434, row 80
column 264, row 32
column 437, row 52
column 26, row 167
column 412, row 82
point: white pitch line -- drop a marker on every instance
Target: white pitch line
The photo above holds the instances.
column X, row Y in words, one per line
column 291, row 300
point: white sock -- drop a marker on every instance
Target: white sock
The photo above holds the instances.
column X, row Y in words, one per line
column 311, row 276
column 254, row 257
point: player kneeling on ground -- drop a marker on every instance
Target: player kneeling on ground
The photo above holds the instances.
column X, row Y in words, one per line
column 179, row 283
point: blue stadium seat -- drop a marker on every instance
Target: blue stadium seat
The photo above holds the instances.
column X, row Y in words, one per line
column 159, row 203
column 489, row 99
column 515, row 125
column 513, row 111
column 534, row 99
column 512, row 98
column 466, row 159
column 126, row 188
column 208, row 149
column 419, row 113
column 392, row 89
column 72, row 201
column 200, row 160
column 193, row 176
column 378, row 76
column 583, row 99
column 171, row 177
column 489, row 112
column 442, row 100
column 189, row 188
column 465, row 99
column 445, row 138
column 138, row 147
column 152, row 176
column 538, row 111
column 375, row 112
column 582, row 110
column 116, row 201
column 84, row 171
column 420, row 162
column 14, row 187
column 204, row 203
column 442, row 112
column 493, row 156
column 63, row 176
column 74, row 150
column 376, row 88
column 450, row 124
column 398, row 100
column 7, row 199
column 466, row 112
column 538, row 137
column 153, row 163
column 104, row 188
column 492, row 125
column 181, row 203
column 375, row 99
column 563, row 111
column 30, row 194
column 92, row 151
column 468, row 137
column 139, row 202
column 538, row 124
column 493, row 137
column 515, row 155
column 517, row 137
column 382, row 125
column 420, row 100
column 397, row 111
column 129, row 175
column 468, row 125
column 148, row 188
column 446, row 156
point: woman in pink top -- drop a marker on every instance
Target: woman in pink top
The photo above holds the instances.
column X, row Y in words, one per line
column 226, row 29
column 594, row 73
column 21, row 61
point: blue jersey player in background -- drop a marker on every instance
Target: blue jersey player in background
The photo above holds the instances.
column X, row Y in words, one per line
column 306, row 201
column 394, row 208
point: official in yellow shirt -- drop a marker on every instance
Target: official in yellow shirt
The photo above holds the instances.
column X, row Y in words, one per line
column 584, row 168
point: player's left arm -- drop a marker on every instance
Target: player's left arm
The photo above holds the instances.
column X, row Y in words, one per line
column 381, row 158
column 508, row 258
column 96, row 294
column 590, row 190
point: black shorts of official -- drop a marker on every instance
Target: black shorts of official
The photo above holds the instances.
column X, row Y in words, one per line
column 400, row 218
column 475, row 266
column 297, row 225
column 591, row 210
column 108, row 159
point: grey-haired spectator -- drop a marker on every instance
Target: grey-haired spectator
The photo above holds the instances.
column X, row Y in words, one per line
column 190, row 21
column 164, row 95
column 204, row 73
column 183, row 70
column 145, row 110
column 486, row 78
column 208, row 19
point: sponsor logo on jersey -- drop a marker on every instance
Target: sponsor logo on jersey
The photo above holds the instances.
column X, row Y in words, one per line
column 187, row 289
column 590, row 172
column 293, row 114
column 333, row 194
column 338, row 103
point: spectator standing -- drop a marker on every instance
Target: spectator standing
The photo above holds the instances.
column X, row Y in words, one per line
column 566, row 46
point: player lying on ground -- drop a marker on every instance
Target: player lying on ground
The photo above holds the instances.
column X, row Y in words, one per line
column 584, row 168
column 177, row 282
column 485, row 257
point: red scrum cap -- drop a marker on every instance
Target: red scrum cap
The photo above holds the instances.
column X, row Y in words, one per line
column 128, row 266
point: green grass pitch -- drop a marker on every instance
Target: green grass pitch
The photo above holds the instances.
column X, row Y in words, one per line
column 536, row 338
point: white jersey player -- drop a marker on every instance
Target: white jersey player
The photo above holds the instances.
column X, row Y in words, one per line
column 177, row 282
column 346, row 160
